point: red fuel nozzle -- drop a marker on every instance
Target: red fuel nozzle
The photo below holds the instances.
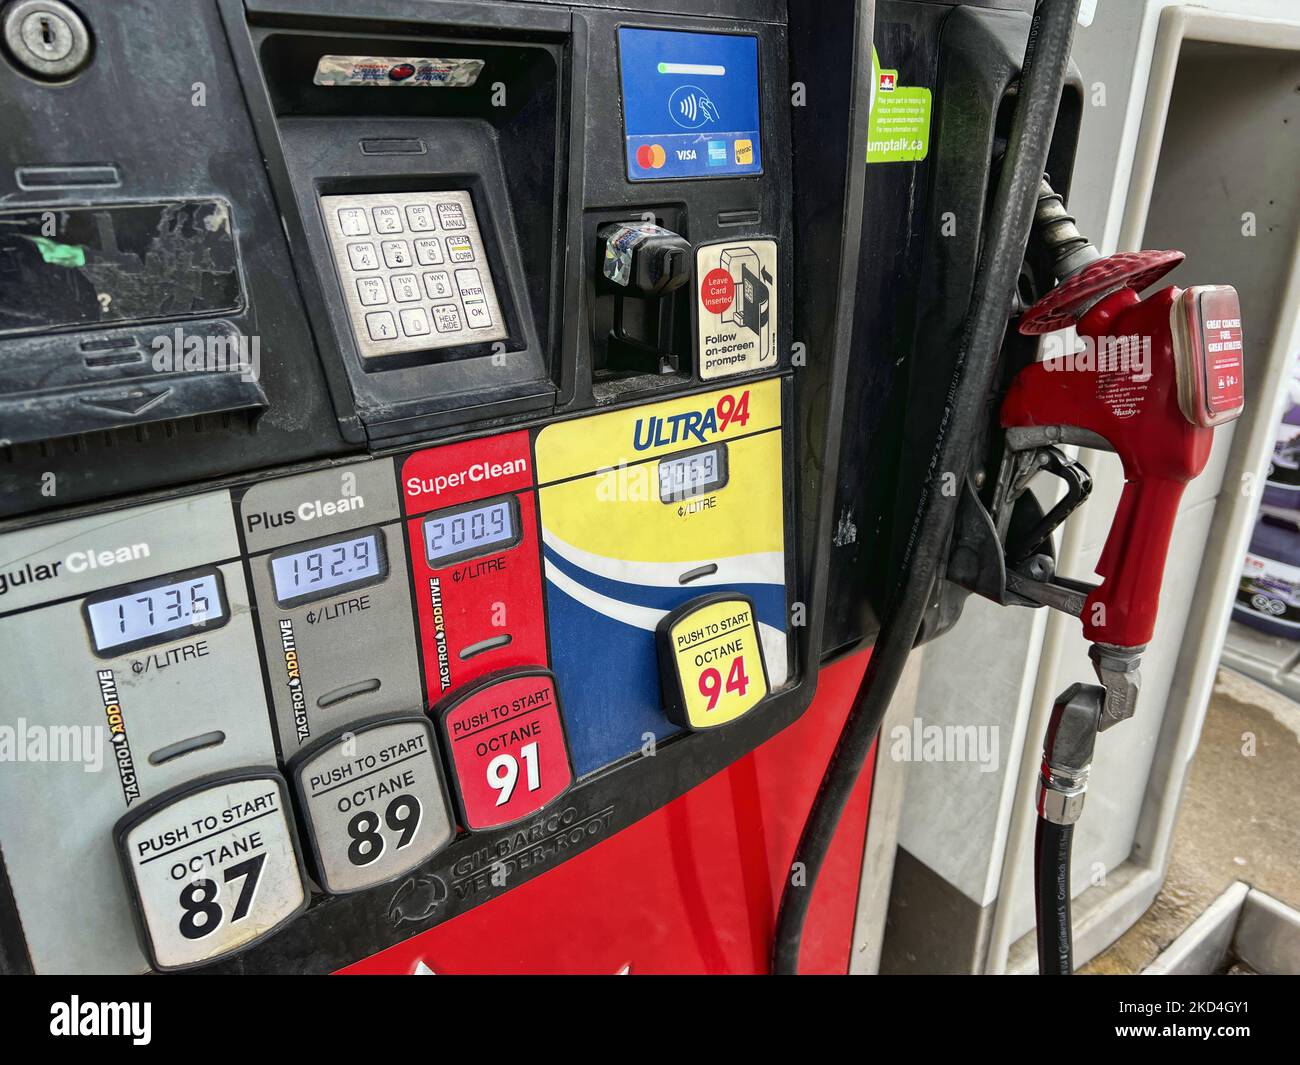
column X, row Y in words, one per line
column 1152, row 378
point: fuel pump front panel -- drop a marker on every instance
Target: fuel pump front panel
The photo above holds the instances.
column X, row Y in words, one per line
column 367, row 551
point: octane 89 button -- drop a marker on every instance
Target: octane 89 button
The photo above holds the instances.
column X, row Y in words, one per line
column 212, row 867
column 373, row 802
column 509, row 751
column 711, row 661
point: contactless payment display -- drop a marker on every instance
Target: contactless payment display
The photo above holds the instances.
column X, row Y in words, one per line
column 509, row 752
column 690, row 104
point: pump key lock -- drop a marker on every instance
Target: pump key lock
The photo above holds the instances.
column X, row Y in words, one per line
column 46, row 38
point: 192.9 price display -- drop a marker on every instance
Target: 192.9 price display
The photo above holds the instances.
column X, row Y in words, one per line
column 509, row 753
column 327, row 567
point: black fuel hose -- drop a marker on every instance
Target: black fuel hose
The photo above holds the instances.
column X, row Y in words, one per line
column 1052, row 898
column 1047, row 58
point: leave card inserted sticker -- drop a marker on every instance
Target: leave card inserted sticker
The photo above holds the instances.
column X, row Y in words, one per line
column 736, row 307
column 373, row 802
column 711, row 662
column 509, row 750
column 212, row 867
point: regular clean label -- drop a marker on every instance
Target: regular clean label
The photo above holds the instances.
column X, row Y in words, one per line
column 373, row 804
column 711, row 662
column 737, row 299
column 509, row 753
column 212, row 870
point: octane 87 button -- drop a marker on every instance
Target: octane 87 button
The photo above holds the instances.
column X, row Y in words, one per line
column 509, row 751
column 212, row 867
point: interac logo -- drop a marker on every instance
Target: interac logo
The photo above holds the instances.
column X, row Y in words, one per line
column 132, row 1020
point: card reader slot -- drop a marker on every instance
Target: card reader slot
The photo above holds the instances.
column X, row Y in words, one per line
column 181, row 748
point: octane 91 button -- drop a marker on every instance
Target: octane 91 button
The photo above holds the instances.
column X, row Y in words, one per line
column 212, row 867
column 711, row 661
column 509, row 751
column 373, row 802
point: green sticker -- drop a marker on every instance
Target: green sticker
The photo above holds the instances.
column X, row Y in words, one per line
column 899, row 129
column 57, row 254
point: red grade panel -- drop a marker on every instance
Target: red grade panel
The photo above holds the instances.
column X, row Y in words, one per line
column 479, row 599
column 693, row 888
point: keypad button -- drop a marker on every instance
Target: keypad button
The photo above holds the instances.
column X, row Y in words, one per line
column 446, row 318
column 460, row 250
column 428, row 251
column 381, row 326
column 352, row 220
column 362, row 256
column 406, row 289
column 387, row 219
column 396, row 252
column 415, row 323
column 438, row 285
column 372, row 291
column 477, row 315
column 451, row 216
column 419, row 217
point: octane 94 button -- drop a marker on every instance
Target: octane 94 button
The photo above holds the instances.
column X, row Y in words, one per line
column 373, row 802
column 711, row 661
column 212, row 867
column 509, row 752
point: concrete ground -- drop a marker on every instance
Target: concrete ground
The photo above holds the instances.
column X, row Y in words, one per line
column 1240, row 819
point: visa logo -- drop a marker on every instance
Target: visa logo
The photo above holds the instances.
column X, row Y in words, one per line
column 686, row 154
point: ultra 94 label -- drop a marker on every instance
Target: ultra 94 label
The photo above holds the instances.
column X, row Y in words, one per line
column 373, row 802
column 212, row 868
column 508, row 749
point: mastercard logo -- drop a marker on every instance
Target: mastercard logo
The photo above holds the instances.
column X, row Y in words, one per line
column 651, row 156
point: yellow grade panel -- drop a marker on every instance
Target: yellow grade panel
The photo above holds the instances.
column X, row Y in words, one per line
column 618, row 513
column 623, row 437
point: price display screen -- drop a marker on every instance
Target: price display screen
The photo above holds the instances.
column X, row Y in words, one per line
column 131, row 618
column 326, row 567
column 454, row 535
column 692, row 474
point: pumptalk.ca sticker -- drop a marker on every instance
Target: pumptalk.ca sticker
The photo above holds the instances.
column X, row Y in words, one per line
column 899, row 128
column 736, row 302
